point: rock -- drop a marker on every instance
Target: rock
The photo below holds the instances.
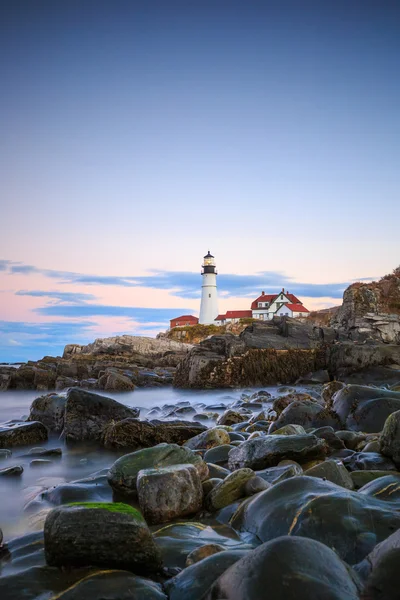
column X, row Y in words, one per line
column 390, row 438
column 217, row 471
column 40, row 462
column 330, row 437
column 307, row 413
column 169, row 492
column 232, row 488
column 203, row 552
column 133, row 433
column 4, row 454
column 49, row 410
column 383, row 583
column 123, row 474
column 43, row 452
column 261, row 453
column 369, row 461
column 113, row 381
column 373, row 446
column 280, row 473
column 236, row 437
column 288, row 567
column 208, row 439
column 11, row 471
column 361, row 478
column 349, row 522
column 290, row 430
column 210, row 484
column 106, row 535
column 255, row 485
column 351, row 439
column 329, row 390
column 22, row 434
column 384, row 488
column 194, row 581
column 261, row 396
column 218, row 455
column 87, row 414
column 1, row 537
column 230, row 417
column 333, row 471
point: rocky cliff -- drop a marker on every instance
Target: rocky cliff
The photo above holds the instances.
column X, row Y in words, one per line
column 371, row 310
column 113, row 364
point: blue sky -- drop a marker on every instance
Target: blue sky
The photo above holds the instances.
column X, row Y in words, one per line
column 136, row 135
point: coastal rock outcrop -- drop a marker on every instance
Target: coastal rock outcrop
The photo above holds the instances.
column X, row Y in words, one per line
column 22, row 434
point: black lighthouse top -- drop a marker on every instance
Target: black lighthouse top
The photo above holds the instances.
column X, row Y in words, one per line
column 208, row 265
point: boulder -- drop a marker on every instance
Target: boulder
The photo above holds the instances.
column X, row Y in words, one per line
column 49, row 410
column 210, row 484
column 230, row 417
column 268, row 451
column 287, row 567
column 217, row 471
column 208, row 439
column 290, row 430
column 330, row 437
column 22, row 434
column 105, row 535
column 203, row 552
column 169, row 492
column 347, row 521
column 218, row 455
column 390, row 438
column 280, row 473
column 123, row 474
column 369, row 461
column 351, row 439
column 384, row 488
column 329, row 390
column 333, row 471
column 380, row 568
column 112, row 381
column 194, row 581
column 232, row 488
column 361, row 478
column 307, row 413
column 133, row 433
column 87, row 414
column 364, row 408
column 4, row 454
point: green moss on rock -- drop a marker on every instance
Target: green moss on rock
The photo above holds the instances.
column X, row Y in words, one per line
column 117, row 507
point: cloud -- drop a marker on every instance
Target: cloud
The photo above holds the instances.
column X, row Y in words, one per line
column 4, row 265
column 14, row 342
column 186, row 284
column 72, row 297
column 138, row 314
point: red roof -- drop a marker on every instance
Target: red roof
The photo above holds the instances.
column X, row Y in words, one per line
column 296, row 307
column 238, row 314
column 264, row 298
column 271, row 297
column 186, row 318
column 220, row 318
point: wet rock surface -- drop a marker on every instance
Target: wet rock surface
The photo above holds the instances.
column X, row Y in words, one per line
column 22, row 434
column 237, row 505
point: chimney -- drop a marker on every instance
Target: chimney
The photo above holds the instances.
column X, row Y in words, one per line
column 262, row 293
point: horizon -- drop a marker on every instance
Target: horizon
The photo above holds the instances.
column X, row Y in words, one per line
column 138, row 135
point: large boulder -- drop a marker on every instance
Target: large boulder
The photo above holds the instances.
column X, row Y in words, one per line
column 169, row 492
column 49, row 410
column 364, row 408
column 287, row 567
column 268, row 451
column 209, row 439
column 22, row 434
column 307, row 413
column 132, row 433
column 123, row 474
column 390, row 438
column 349, row 522
column 112, row 381
column 87, row 414
column 106, row 535
column 334, row 471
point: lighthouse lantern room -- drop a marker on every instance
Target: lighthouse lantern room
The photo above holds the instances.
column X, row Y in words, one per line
column 209, row 298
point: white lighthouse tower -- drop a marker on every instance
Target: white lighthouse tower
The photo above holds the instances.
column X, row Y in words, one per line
column 209, row 298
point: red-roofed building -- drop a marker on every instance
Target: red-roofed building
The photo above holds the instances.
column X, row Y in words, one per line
column 267, row 306
column 183, row 321
column 233, row 316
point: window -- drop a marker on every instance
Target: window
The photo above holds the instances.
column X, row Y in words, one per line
column 209, row 295
column 260, row 305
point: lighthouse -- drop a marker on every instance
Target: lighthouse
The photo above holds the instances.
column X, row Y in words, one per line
column 209, row 298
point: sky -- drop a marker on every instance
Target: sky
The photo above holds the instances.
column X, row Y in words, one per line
column 136, row 135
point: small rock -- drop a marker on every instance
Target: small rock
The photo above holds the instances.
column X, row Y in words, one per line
column 4, row 454
column 217, row 471
column 219, row 454
column 290, row 430
column 232, row 488
column 11, row 471
column 390, row 438
column 231, row 417
column 351, row 439
column 210, row 484
column 203, row 552
column 22, row 434
column 40, row 462
column 255, row 485
column 333, row 471
column 209, row 439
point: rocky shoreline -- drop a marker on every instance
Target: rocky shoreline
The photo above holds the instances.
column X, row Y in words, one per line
column 297, row 493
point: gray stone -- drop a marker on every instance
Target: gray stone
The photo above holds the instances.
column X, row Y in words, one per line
column 230, row 417
column 105, row 535
column 169, row 492
column 218, row 455
column 333, row 471
column 11, row 471
column 390, row 438
column 232, row 488
column 268, row 451
column 22, row 434
column 290, row 430
column 203, row 552
column 49, row 410
column 208, row 439
column 123, row 474
column 217, row 471
column 361, row 478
